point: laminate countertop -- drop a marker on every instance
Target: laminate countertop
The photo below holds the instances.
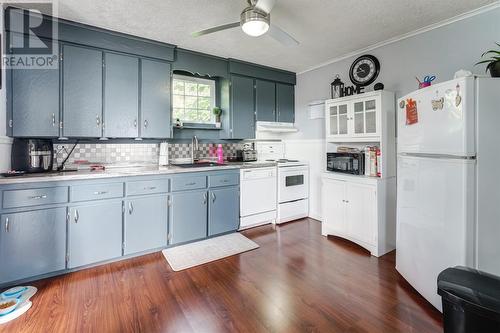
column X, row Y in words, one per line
column 112, row 172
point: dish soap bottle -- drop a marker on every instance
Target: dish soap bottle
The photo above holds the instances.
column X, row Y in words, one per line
column 220, row 154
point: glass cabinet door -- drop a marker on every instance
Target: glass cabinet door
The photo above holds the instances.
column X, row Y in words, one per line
column 359, row 118
column 371, row 116
column 334, row 118
column 365, row 117
column 343, row 119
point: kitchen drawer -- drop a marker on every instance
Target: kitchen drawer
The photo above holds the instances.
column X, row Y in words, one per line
column 226, row 179
column 35, row 197
column 147, row 187
column 96, row 192
column 189, row 183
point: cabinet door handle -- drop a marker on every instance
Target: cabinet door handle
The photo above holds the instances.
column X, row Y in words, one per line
column 146, row 123
column 77, row 216
column 98, row 120
column 37, row 197
column 204, row 198
column 130, row 208
column 135, row 123
column 346, row 201
column 7, row 224
column 213, row 197
column 100, row 192
column 53, row 119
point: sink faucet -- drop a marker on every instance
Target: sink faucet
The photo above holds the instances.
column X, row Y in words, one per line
column 194, row 149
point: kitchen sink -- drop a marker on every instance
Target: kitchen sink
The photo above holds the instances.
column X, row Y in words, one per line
column 198, row 165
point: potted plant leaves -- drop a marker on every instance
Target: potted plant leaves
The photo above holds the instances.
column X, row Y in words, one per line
column 493, row 62
column 217, row 111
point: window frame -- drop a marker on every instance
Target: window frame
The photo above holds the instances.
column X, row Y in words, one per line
column 198, row 80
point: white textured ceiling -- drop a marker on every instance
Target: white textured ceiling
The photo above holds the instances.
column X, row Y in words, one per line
column 326, row 28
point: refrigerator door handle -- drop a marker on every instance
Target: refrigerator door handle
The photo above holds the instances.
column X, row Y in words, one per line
column 439, row 156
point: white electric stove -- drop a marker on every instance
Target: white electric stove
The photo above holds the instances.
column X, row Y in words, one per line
column 292, row 183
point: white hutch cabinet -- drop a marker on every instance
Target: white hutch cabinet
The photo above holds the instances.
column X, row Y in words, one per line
column 358, row 118
column 361, row 208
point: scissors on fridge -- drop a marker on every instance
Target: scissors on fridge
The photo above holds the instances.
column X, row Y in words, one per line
column 429, row 78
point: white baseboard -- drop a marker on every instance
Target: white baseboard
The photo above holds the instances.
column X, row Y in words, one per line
column 316, row 216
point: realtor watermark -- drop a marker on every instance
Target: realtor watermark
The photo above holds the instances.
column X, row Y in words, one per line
column 31, row 35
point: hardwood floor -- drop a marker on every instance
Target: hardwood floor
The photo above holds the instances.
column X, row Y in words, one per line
column 297, row 281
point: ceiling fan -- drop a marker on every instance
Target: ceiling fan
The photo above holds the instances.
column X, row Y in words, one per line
column 255, row 20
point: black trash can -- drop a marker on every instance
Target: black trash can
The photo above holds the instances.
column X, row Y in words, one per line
column 471, row 300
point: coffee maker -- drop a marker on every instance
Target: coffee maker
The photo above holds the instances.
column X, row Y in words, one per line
column 32, row 155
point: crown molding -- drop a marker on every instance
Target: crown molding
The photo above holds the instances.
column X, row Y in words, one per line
column 425, row 29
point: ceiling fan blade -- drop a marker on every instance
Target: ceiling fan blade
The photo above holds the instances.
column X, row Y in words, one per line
column 265, row 5
column 281, row 36
column 215, row 29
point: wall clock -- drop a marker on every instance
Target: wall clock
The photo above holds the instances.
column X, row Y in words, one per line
column 364, row 70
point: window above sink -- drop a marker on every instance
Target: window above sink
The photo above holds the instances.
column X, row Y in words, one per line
column 193, row 99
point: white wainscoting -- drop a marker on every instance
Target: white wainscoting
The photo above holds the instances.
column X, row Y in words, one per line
column 312, row 151
column 5, row 147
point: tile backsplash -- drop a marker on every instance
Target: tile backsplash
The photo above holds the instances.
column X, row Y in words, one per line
column 206, row 150
column 143, row 153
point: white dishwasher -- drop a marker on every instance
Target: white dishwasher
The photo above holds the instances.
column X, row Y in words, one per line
column 258, row 196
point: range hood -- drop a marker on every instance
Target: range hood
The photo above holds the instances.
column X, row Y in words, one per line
column 270, row 126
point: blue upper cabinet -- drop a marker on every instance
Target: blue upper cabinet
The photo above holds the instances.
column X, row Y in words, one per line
column 242, row 108
column 285, row 102
column 118, row 86
column 35, row 102
column 121, row 96
column 82, row 92
column 265, row 100
column 155, row 107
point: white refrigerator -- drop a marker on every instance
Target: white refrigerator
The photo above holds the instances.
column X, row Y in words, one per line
column 448, row 192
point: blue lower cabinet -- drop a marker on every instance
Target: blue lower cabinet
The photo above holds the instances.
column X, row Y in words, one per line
column 188, row 216
column 32, row 243
column 224, row 210
column 95, row 233
column 146, row 222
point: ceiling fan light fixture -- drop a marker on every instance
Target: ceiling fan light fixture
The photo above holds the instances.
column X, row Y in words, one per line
column 255, row 28
column 254, row 23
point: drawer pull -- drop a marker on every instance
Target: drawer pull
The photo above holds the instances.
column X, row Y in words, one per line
column 7, row 224
column 191, row 184
column 38, row 197
column 225, row 181
column 100, row 192
column 150, row 188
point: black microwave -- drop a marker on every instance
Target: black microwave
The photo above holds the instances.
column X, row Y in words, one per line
column 351, row 163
